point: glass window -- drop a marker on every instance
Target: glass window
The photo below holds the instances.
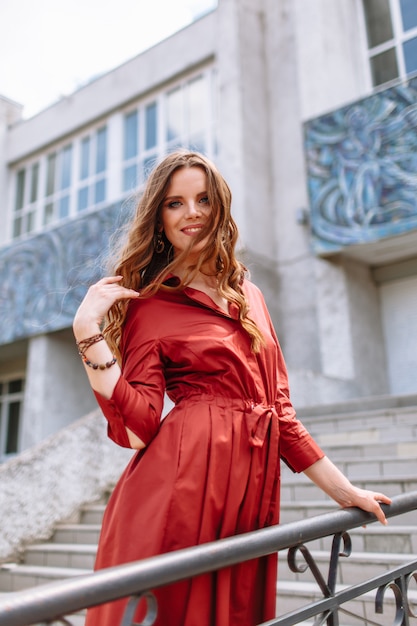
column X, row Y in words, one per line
column 12, row 427
column 384, row 67
column 64, row 205
column 50, row 174
column 11, row 398
column 101, row 150
column 30, row 221
column 85, row 158
column 131, row 135
column 100, row 191
column 17, row 227
column 82, row 198
column 378, row 21
column 48, row 214
column 409, row 13
column 66, row 163
column 20, row 190
column 130, row 178
column 174, row 114
column 151, row 125
column 34, row 182
column 410, row 55
column 197, row 102
column 15, row 386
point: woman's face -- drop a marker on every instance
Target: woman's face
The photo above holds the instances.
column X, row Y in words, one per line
column 185, row 209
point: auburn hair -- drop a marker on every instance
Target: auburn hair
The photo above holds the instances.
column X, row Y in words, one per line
column 145, row 270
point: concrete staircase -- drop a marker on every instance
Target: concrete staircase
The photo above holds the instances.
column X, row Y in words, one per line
column 375, row 446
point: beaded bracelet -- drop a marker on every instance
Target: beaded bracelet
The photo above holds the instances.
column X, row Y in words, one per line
column 99, row 366
column 84, row 344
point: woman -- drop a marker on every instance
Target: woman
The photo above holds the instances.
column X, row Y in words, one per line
column 181, row 318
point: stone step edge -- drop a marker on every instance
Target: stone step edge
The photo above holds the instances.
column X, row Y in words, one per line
column 50, row 546
column 366, row 557
column 43, row 571
column 311, row 589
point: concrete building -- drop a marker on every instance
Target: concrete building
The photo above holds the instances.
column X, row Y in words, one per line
column 309, row 108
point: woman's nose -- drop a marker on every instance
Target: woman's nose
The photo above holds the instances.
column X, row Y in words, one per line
column 193, row 209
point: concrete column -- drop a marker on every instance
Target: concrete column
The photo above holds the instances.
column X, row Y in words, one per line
column 57, row 391
column 10, row 112
column 243, row 124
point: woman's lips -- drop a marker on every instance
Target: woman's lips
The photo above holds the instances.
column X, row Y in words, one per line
column 191, row 230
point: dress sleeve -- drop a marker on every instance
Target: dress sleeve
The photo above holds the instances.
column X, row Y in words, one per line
column 137, row 399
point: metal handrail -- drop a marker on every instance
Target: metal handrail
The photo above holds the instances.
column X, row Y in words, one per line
column 46, row 602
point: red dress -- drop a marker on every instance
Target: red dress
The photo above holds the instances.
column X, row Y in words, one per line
column 211, row 468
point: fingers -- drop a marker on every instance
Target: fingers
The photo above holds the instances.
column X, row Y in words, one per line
column 375, row 505
column 109, row 287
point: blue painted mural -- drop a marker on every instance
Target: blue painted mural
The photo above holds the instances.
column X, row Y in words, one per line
column 44, row 277
column 362, row 169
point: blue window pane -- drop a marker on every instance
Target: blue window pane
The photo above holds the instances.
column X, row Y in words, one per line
column 130, row 135
column 48, row 214
column 151, row 125
column 85, row 158
column 410, row 55
column 82, row 199
column 66, row 160
column 197, row 105
column 130, row 178
column 101, row 154
column 34, row 182
column 409, row 13
column 64, row 207
column 20, row 190
column 174, row 114
column 50, row 174
column 17, row 227
column 100, row 191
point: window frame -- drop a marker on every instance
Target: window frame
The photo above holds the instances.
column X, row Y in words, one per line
column 400, row 36
column 6, row 400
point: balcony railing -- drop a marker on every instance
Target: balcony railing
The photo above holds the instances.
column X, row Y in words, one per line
column 48, row 604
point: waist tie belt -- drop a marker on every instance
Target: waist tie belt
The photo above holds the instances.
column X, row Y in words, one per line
column 258, row 419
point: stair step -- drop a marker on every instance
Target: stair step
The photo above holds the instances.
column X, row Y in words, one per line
column 335, row 421
column 78, row 556
column 358, row 567
column 92, row 514
column 293, row 595
column 304, row 509
column 376, row 538
column 376, row 467
column 16, row 576
column 299, row 487
column 77, row 533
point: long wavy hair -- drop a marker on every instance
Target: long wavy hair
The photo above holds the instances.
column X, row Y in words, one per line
column 145, row 270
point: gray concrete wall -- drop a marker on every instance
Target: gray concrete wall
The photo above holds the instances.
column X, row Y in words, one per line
column 10, row 113
column 279, row 63
column 57, row 391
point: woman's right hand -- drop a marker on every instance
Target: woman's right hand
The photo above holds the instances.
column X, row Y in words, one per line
column 99, row 298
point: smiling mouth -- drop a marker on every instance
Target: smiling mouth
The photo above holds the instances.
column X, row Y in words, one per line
column 192, row 230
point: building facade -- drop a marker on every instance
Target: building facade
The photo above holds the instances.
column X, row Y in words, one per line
column 309, row 108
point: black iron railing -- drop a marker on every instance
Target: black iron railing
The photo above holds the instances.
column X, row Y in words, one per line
column 48, row 604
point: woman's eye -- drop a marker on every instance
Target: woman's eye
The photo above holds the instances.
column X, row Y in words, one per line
column 174, row 204
column 204, row 200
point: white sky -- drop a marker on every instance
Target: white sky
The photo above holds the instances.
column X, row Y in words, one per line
column 49, row 48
